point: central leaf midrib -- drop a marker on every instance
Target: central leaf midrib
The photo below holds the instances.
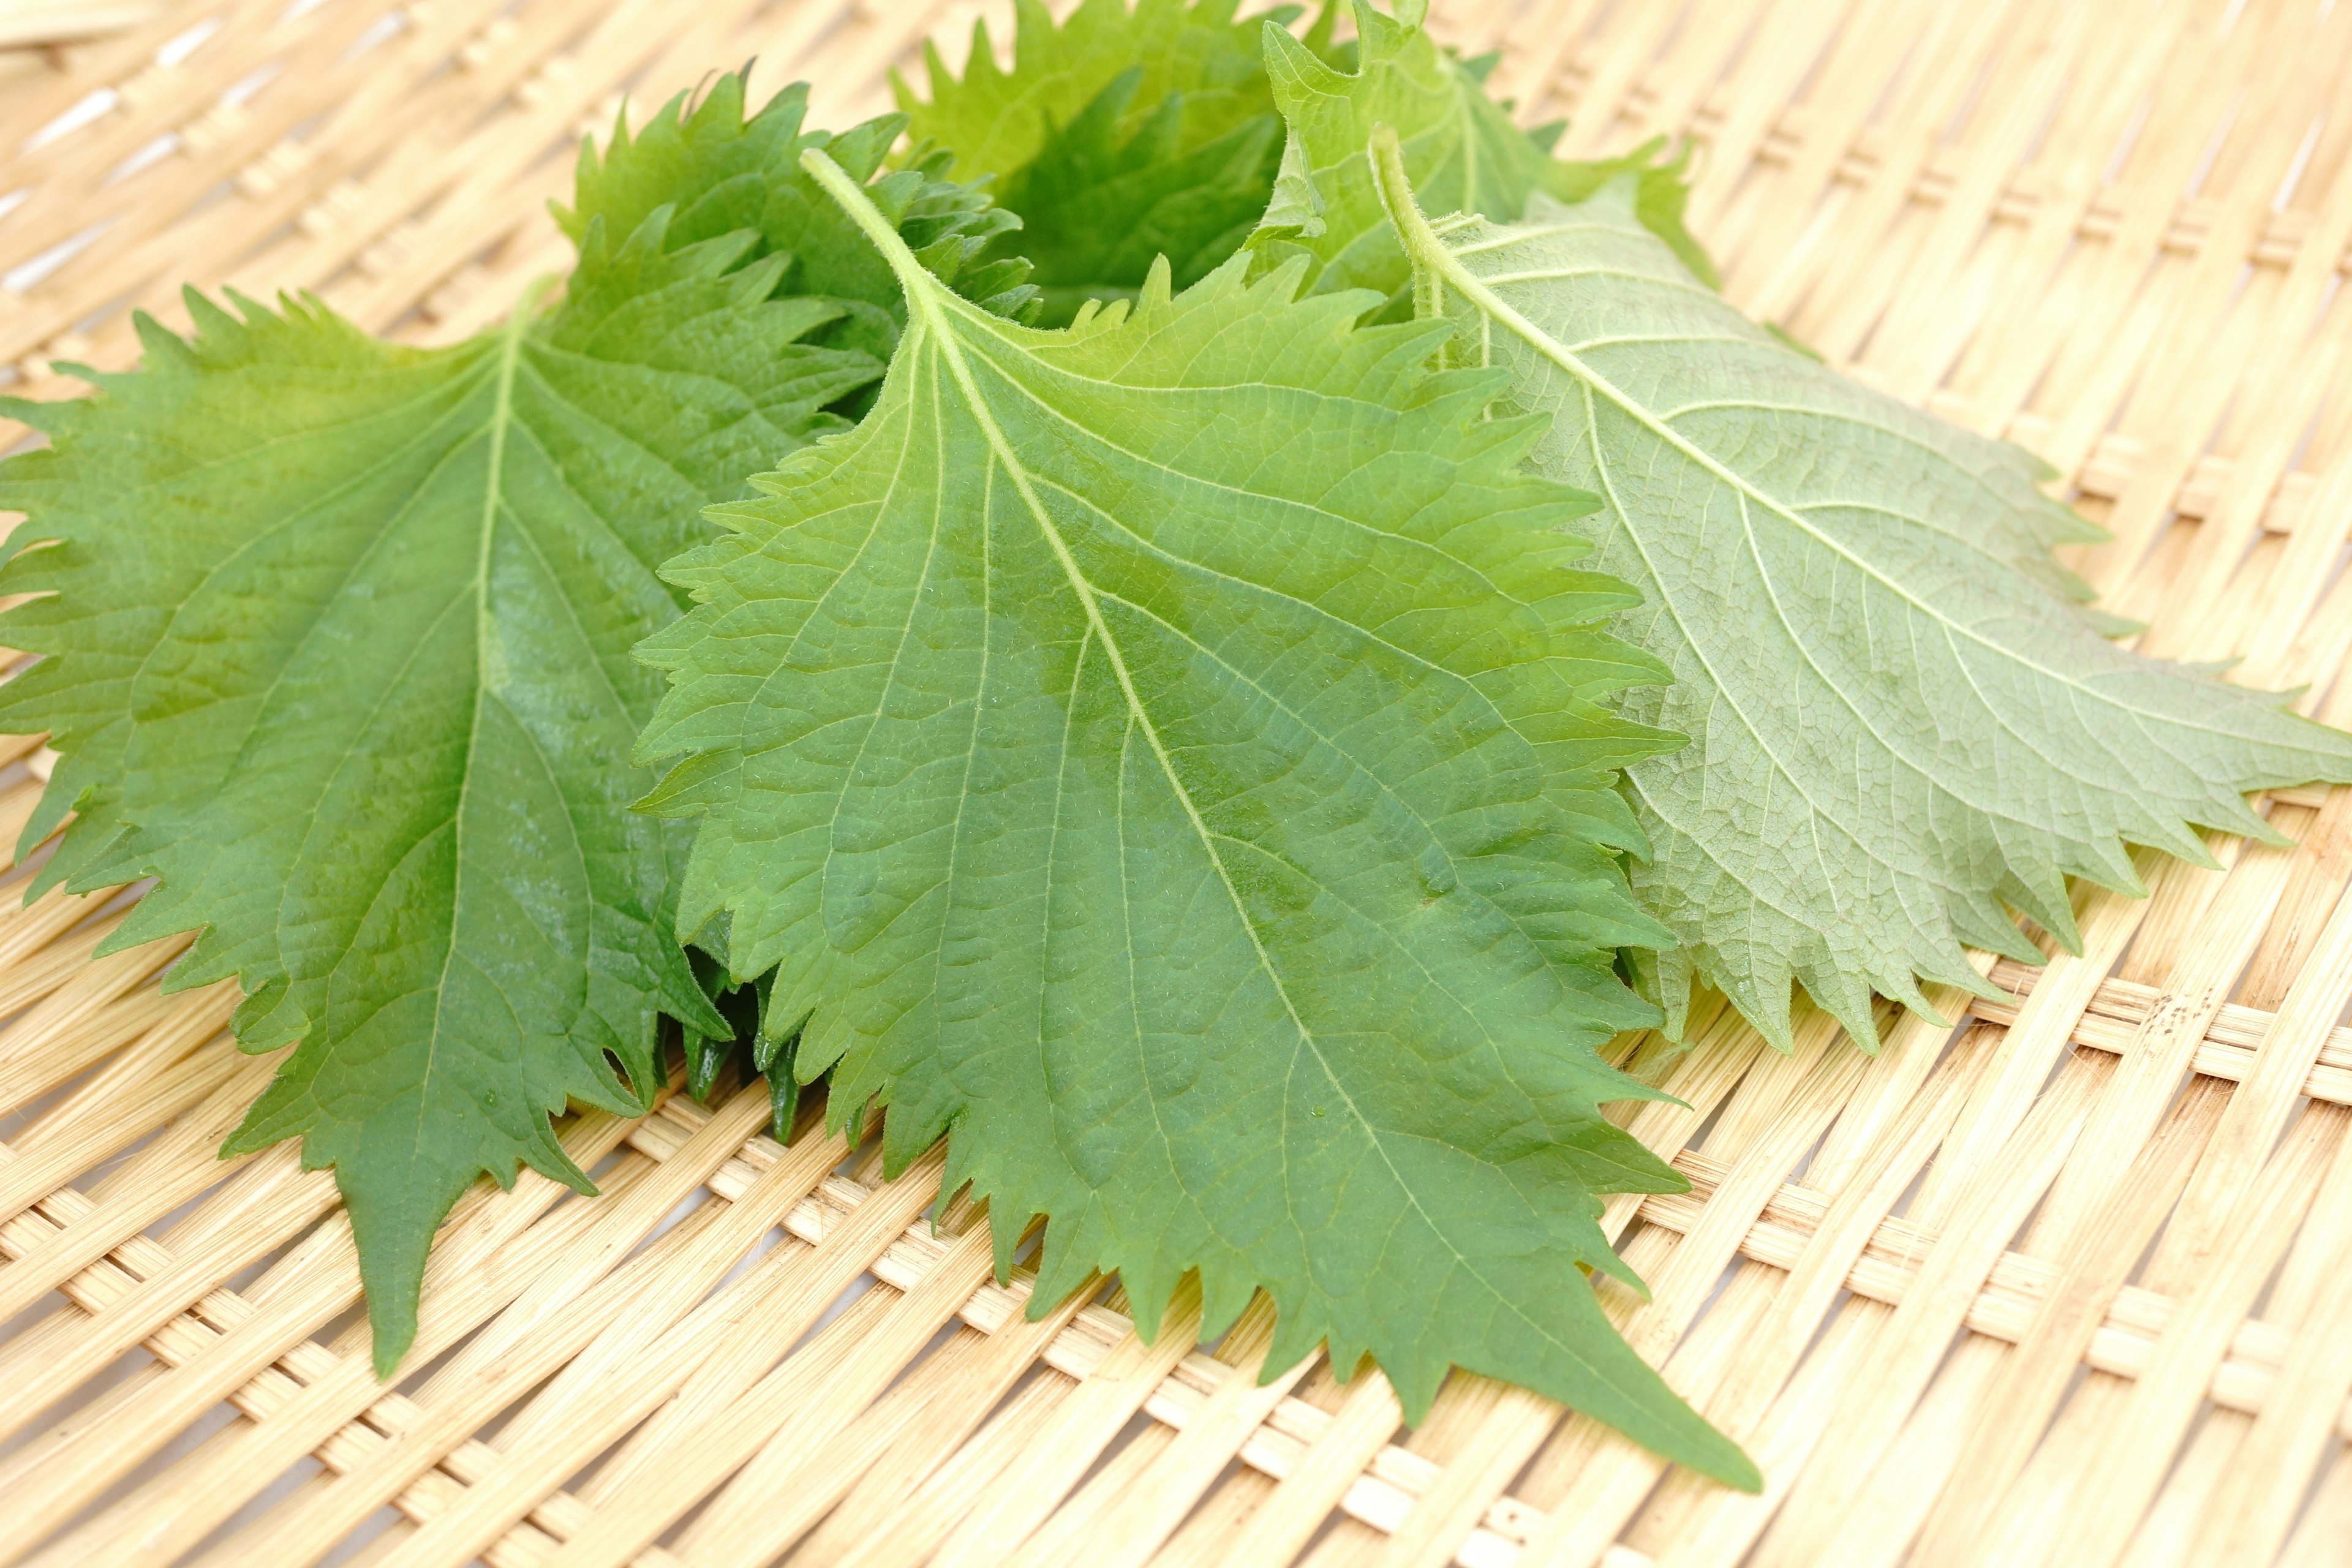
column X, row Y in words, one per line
column 1764, row 577
column 942, row 337
column 928, row 320
column 935, row 328
column 1484, row 579
column 1424, row 244
column 493, row 483
column 470, row 381
column 1492, row 308
column 1404, row 949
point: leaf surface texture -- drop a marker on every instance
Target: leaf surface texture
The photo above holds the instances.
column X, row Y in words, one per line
column 1110, row 741
column 336, row 636
column 1901, row 719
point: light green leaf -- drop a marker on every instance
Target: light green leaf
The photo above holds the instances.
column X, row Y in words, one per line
column 336, row 641
column 1111, row 741
column 1462, row 149
column 1899, row 721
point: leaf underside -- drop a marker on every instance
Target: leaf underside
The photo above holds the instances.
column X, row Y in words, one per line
column 1112, row 740
column 366, row 705
column 1901, row 719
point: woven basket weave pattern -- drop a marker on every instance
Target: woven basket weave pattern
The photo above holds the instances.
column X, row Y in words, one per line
column 2068, row 1284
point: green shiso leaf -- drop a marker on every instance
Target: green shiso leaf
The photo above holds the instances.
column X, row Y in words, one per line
column 1120, row 135
column 1461, row 148
column 1111, row 744
column 723, row 174
column 996, row 121
column 1901, row 717
column 336, row 636
column 1099, row 206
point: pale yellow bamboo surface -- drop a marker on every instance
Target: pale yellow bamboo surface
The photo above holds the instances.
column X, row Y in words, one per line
column 2070, row 1284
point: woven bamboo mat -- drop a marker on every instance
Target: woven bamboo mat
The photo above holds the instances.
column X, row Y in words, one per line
column 2070, row 1284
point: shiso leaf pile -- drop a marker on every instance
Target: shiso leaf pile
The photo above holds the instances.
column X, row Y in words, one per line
column 1099, row 744
column 1067, row 609
column 336, row 644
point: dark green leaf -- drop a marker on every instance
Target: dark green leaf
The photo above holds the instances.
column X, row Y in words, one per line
column 336, row 642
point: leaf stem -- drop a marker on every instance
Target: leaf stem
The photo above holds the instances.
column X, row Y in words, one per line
column 852, row 196
column 1387, row 156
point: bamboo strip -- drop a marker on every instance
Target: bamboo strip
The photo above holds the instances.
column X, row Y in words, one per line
column 549, row 1303
column 2099, row 1256
column 64, row 1238
column 125, row 1100
column 2267, row 1478
column 236, row 1339
column 1135, row 1519
column 2124, row 1475
column 707, row 1336
column 735, row 1529
column 918, row 1426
